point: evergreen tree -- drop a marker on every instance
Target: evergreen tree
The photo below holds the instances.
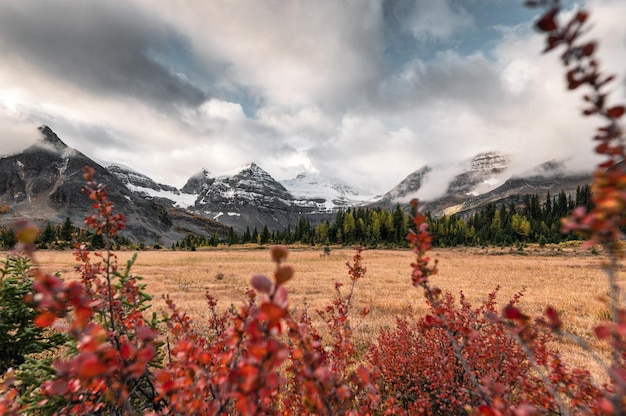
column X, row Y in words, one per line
column 48, row 235
column 232, row 238
column 246, row 238
column 265, row 235
column 67, row 229
column 96, row 241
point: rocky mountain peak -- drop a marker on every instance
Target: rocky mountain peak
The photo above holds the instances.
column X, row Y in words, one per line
column 198, row 182
column 490, row 160
column 50, row 138
column 254, row 171
column 409, row 186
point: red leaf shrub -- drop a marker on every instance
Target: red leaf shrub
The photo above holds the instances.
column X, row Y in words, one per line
column 419, row 368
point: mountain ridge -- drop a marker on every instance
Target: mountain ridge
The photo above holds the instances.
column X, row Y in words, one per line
column 248, row 196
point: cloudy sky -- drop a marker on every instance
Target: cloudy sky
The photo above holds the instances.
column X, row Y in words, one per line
column 367, row 91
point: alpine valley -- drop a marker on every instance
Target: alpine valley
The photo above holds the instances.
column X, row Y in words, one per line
column 43, row 183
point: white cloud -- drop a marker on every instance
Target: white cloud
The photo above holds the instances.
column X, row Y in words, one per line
column 227, row 111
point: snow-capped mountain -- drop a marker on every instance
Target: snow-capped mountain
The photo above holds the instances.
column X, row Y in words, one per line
column 245, row 183
column 44, row 182
column 247, row 196
column 480, row 174
column 328, row 194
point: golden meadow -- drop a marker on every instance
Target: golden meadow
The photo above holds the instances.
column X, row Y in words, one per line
column 564, row 276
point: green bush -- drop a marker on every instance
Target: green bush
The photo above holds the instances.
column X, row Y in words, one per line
column 19, row 336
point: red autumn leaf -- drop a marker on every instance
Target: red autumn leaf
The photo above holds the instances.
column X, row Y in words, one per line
column 582, row 15
column 588, row 49
column 616, row 112
column 512, row 313
column 553, row 317
column 280, row 297
column 485, row 410
column 605, row 406
column 45, row 319
column 57, row 388
column 248, row 374
column 204, row 358
column 258, row 351
column 279, row 253
column 364, row 374
column 272, row 312
column 146, row 354
column 145, row 333
column 602, row 331
column 83, row 315
column 127, row 350
column 91, row 367
column 547, row 22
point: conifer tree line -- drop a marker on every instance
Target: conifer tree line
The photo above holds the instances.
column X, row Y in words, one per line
column 355, row 226
column 536, row 220
column 61, row 236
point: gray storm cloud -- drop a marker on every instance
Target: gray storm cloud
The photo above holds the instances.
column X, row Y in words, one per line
column 102, row 46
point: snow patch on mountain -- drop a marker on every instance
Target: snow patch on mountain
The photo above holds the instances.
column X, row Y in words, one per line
column 143, row 185
column 178, row 199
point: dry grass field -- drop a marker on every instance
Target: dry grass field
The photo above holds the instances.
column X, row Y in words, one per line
column 570, row 279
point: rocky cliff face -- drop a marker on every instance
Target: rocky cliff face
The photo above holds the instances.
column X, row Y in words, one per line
column 483, row 168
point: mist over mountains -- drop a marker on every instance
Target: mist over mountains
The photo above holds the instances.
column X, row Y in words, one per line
column 43, row 183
